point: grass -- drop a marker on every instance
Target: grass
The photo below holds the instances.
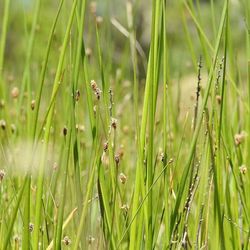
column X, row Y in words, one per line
column 101, row 146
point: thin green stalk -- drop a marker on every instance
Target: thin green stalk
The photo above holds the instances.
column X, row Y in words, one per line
column 43, row 70
column 165, row 113
column 95, row 163
column 7, row 237
column 142, row 202
column 59, row 225
column 200, row 118
column 132, row 38
column 56, row 85
column 3, row 42
column 26, row 223
column 213, row 18
column 76, row 70
column 26, row 73
column 223, row 79
column 150, row 163
column 139, row 173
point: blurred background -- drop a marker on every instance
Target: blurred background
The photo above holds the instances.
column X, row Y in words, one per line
column 184, row 41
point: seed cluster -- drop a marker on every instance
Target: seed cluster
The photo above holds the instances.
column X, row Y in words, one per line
column 96, row 90
column 66, row 240
column 3, row 124
column 239, row 138
column 2, row 174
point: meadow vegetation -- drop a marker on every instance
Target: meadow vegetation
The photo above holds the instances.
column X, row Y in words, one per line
column 124, row 124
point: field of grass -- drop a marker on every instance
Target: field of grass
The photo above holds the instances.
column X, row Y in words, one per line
column 124, row 124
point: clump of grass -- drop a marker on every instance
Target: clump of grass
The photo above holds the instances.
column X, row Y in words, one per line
column 116, row 162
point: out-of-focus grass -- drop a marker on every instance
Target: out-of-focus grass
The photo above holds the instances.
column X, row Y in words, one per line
column 124, row 124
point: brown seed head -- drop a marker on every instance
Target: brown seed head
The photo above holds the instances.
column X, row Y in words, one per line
column 66, row 240
column 239, row 138
column 77, row 95
column 32, row 105
column 122, row 178
column 91, row 239
column 98, row 93
column 93, row 85
column 117, row 159
column 113, row 123
column 65, row 131
column 15, row 92
column 99, row 21
column 88, row 52
column 218, row 99
column 80, row 128
column 96, row 90
column 3, row 124
column 31, row 227
column 162, row 157
column 125, row 208
column 243, row 169
column 105, row 146
column 17, row 239
column 2, row 174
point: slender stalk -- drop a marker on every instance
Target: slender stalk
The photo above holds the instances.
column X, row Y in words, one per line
column 56, row 85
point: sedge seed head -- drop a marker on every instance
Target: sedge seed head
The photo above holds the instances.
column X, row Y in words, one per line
column 2, row 174
column 239, row 138
column 125, row 208
column 243, row 169
column 17, row 239
column 91, row 239
column 95, row 89
column 162, row 157
column 122, row 178
column 77, row 95
column 105, row 146
column 88, row 52
column 13, row 128
column 99, row 21
column 31, row 227
column 66, row 240
column 32, row 104
column 98, row 93
column 80, row 128
column 93, row 84
column 65, row 131
column 3, row 124
column 15, row 92
column 113, row 123
column 218, row 99
column 117, row 159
